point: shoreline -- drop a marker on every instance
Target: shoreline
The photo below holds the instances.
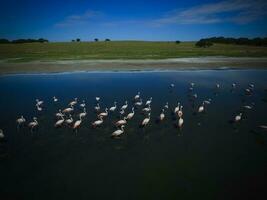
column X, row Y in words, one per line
column 193, row 63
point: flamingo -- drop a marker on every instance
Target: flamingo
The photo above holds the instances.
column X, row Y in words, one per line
column 217, row 85
column 162, row 115
column 207, row 101
column 113, row 108
column 77, row 124
column 59, row 114
column 139, row 103
column 97, row 107
column 177, row 108
column 83, row 114
column 172, row 85
column 2, row 136
column 82, row 105
column 21, row 120
column 121, row 122
column 118, row 132
column 238, row 117
column 166, row 105
column 130, row 115
column 55, row 99
column 68, row 110
column 148, row 102
column 180, row 122
column 124, row 106
column 69, row 121
column 38, row 102
column 137, row 96
column 39, row 108
column 122, row 112
column 59, row 122
column 104, row 114
column 146, row 120
column 98, row 122
column 97, row 99
column 248, row 107
column 73, row 103
column 148, row 109
column 33, row 124
column 233, row 85
column 201, row 108
column 180, row 112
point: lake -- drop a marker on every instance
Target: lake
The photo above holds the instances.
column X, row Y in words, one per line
column 210, row 157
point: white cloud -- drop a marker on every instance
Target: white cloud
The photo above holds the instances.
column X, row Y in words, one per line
column 236, row 11
column 79, row 19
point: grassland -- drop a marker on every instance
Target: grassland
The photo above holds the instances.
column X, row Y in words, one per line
column 126, row 55
column 120, row 50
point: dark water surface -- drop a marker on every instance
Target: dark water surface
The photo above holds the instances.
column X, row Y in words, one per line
column 209, row 158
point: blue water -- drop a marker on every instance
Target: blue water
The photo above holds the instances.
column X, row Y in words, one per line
column 210, row 157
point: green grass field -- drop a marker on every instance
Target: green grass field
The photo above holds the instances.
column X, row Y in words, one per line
column 121, row 50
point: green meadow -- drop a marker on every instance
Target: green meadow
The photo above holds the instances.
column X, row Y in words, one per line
column 121, row 50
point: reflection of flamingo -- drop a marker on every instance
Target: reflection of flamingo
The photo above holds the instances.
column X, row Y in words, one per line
column 118, row 132
column 33, row 124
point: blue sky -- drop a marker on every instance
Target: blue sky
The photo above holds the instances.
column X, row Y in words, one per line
column 132, row 20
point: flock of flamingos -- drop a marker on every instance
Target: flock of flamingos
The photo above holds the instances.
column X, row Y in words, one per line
column 65, row 116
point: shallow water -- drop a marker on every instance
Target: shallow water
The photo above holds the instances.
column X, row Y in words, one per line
column 209, row 157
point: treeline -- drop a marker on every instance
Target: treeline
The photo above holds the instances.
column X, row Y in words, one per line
column 5, row 41
column 240, row 41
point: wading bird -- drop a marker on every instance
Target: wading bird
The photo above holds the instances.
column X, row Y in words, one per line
column 39, row 103
column 82, row 105
column 201, row 108
column 73, row 103
column 131, row 114
column 162, row 115
column 104, row 114
column 98, row 122
column 139, row 103
column 20, row 121
column 146, row 120
column 83, row 114
column 77, row 124
column 180, row 122
column 2, row 136
column 69, row 121
column 113, row 108
column 137, row 96
column 238, row 117
column 68, row 110
column 33, row 124
column 121, row 122
column 148, row 102
column 55, row 99
column 59, row 122
column 59, row 114
column 118, row 132
column 124, row 106
column 166, row 105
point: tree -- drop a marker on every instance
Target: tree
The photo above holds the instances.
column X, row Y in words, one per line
column 42, row 40
column 107, row 40
column 96, row 39
column 204, row 43
column 4, row 41
column 177, row 42
column 78, row 40
column 73, row 40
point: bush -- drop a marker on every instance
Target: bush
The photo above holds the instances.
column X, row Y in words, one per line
column 177, row 42
column 203, row 43
column 78, row 40
column 96, row 39
column 4, row 41
column 107, row 40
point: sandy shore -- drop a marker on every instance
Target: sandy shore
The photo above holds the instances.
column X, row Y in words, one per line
column 133, row 65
